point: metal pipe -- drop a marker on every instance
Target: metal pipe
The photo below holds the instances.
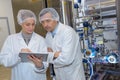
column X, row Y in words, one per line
column 118, row 22
column 67, row 14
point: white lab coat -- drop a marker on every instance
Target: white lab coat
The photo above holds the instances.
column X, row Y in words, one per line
column 9, row 57
column 68, row 66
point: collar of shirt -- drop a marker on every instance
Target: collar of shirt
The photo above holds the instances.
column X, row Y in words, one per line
column 26, row 37
column 55, row 30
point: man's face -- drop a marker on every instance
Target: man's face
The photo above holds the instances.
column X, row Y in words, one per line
column 48, row 22
column 28, row 26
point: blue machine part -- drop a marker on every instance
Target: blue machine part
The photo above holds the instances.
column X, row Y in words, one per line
column 79, row 1
column 112, row 58
column 90, row 66
column 93, row 53
column 76, row 6
column 85, row 24
column 80, row 33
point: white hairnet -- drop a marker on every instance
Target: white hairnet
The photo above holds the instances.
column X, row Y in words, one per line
column 53, row 12
column 24, row 15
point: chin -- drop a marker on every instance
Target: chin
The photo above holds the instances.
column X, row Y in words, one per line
column 48, row 30
column 30, row 32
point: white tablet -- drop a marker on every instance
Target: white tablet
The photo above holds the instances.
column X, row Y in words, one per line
column 24, row 58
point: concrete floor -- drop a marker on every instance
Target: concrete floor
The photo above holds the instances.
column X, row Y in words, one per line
column 4, row 73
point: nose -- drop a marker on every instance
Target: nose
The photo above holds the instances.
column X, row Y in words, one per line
column 31, row 26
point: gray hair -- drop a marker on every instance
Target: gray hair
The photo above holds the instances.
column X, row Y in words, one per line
column 53, row 12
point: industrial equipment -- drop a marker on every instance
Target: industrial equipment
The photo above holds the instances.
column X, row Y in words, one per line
column 96, row 23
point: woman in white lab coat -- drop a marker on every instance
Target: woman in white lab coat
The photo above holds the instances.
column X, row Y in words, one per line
column 64, row 40
column 25, row 41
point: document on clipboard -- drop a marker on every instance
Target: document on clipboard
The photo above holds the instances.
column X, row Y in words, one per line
column 24, row 57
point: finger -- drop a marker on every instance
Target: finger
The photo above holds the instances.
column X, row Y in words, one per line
column 25, row 50
column 41, row 58
column 22, row 50
column 49, row 49
column 30, row 57
column 28, row 50
column 34, row 59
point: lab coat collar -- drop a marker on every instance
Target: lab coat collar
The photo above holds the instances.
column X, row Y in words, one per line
column 20, row 35
column 55, row 30
column 32, row 40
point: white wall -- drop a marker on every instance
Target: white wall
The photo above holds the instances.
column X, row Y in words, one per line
column 6, row 11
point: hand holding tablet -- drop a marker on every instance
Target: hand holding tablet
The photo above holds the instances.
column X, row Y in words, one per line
column 24, row 56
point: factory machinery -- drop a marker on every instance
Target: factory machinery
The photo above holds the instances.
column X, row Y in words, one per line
column 96, row 23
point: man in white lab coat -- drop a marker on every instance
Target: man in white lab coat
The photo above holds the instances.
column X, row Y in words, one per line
column 62, row 39
column 25, row 41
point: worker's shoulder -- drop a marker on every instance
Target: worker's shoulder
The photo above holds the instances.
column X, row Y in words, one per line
column 13, row 35
column 67, row 29
column 39, row 36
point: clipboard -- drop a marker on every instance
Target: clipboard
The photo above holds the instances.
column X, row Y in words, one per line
column 24, row 58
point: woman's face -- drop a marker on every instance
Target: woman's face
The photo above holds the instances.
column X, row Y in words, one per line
column 28, row 26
